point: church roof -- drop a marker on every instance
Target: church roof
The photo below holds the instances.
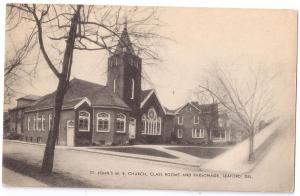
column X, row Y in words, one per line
column 98, row 95
column 125, row 44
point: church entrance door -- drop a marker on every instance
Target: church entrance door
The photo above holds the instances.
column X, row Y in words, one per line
column 132, row 128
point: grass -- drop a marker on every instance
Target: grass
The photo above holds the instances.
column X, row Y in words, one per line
column 140, row 151
column 207, row 153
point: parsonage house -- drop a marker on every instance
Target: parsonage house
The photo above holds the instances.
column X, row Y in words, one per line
column 117, row 113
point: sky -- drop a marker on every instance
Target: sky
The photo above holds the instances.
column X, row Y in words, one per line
column 236, row 39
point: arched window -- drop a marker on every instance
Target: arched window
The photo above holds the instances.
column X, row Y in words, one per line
column 121, row 122
column 103, row 121
column 151, row 123
column 144, row 124
column 132, row 88
column 84, row 121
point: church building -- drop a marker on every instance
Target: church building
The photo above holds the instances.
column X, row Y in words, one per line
column 117, row 113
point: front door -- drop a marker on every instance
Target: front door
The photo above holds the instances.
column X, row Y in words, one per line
column 132, row 127
column 70, row 132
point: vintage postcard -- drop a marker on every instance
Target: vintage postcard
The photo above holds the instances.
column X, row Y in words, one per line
column 149, row 98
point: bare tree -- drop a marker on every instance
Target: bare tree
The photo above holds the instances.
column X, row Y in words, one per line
column 62, row 29
column 15, row 67
column 247, row 99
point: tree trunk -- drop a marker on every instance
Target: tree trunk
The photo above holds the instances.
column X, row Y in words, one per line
column 48, row 159
column 251, row 146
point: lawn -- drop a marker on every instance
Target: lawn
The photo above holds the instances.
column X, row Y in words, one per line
column 140, row 151
column 201, row 152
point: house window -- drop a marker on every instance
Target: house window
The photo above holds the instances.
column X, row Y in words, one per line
column 43, row 123
column 132, row 88
column 180, row 120
column 219, row 134
column 197, row 133
column 196, row 119
column 38, row 139
column 179, row 133
column 221, row 122
column 103, row 122
column 114, row 85
column 84, row 121
column 28, row 123
column 121, row 122
column 50, row 122
column 151, row 123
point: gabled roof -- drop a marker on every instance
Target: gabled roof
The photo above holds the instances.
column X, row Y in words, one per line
column 124, row 44
column 146, row 94
column 203, row 108
column 97, row 95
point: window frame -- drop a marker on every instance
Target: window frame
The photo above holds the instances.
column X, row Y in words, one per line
column 196, row 134
column 84, row 118
column 132, row 88
column 28, row 123
column 122, row 120
column 196, row 117
column 98, row 117
column 178, row 119
column 179, row 130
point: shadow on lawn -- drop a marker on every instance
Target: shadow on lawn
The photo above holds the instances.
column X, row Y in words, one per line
column 206, row 153
column 54, row 180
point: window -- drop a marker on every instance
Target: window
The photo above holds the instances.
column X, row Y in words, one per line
column 221, row 122
column 38, row 122
column 121, row 122
column 151, row 123
column 180, row 120
column 132, row 88
column 38, row 140
column 34, row 123
column 84, row 121
column 197, row 133
column 219, row 134
column 114, row 85
column 43, row 123
column 196, row 119
column 28, row 123
column 103, row 122
column 50, row 122
column 179, row 133
column 144, row 124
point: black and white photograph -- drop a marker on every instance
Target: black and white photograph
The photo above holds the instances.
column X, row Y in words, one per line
column 149, row 97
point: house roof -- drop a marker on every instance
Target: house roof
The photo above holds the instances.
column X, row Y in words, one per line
column 98, row 95
column 30, row 97
column 203, row 108
column 169, row 112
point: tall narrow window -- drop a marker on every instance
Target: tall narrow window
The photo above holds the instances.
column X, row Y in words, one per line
column 84, row 121
column 114, row 85
column 144, row 123
column 38, row 122
column 28, row 123
column 34, row 123
column 132, row 88
column 179, row 133
column 103, row 120
column 50, row 122
column 121, row 122
column 196, row 119
column 43, row 123
column 180, row 120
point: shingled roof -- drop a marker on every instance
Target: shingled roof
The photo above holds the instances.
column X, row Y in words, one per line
column 98, row 95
